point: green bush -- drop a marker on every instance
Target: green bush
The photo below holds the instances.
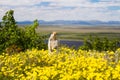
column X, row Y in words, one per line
column 22, row 39
column 99, row 44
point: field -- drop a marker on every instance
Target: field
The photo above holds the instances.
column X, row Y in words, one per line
column 67, row 64
column 80, row 32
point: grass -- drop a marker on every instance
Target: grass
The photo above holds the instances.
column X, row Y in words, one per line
column 80, row 32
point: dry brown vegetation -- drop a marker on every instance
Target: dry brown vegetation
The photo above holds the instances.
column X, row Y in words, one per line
column 80, row 32
column 78, row 29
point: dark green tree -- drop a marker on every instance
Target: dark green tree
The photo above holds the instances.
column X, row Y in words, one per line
column 8, row 30
column 99, row 44
column 13, row 38
column 8, row 20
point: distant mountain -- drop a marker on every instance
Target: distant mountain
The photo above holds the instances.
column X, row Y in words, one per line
column 24, row 22
column 72, row 22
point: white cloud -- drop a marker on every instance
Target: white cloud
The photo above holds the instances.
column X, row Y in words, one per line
column 83, row 9
column 18, row 2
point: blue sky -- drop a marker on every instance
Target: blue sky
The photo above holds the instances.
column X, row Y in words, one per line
column 49, row 10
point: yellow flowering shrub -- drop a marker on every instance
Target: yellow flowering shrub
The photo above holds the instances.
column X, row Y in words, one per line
column 67, row 64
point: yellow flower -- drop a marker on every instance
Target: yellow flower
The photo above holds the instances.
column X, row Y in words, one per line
column 67, row 64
